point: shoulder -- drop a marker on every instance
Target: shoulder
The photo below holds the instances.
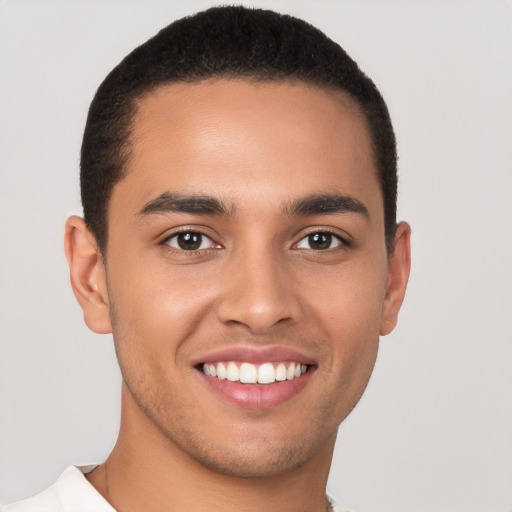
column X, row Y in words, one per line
column 45, row 501
column 335, row 507
column 70, row 493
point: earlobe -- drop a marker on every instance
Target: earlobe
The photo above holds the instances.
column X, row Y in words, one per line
column 399, row 266
column 87, row 275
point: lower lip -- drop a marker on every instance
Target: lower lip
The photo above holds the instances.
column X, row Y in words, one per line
column 257, row 396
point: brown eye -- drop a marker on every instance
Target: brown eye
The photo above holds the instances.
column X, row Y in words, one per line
column 320, row 241
column 190, row 241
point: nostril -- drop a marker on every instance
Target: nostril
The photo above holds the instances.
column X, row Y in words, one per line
column 260, row 298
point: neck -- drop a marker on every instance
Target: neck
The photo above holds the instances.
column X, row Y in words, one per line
column 146, row 471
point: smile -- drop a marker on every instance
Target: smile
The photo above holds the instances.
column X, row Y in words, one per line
column 248, row 373
column 251, row 377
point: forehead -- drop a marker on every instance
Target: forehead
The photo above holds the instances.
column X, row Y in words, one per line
column 235, row 137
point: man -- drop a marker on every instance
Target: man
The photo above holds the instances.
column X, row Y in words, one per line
column 238, row 177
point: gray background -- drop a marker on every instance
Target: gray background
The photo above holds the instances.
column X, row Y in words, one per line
column 434, row 430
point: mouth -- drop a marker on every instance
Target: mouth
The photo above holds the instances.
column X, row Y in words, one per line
column 248, row 373
column 255, row 378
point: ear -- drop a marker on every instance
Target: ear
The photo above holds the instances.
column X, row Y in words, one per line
column 87, row 275
column 399, row 266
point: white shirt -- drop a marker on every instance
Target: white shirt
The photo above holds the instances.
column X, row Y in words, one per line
column 72, row 492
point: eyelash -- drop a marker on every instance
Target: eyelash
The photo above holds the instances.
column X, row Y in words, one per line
column 343, row 243
column 193, row 252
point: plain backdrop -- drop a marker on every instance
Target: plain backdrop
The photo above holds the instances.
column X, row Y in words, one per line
column 434, row 429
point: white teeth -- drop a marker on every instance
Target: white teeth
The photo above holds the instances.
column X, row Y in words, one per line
column 281, row 372
column 232, row 372
column 248, row 373
column 266, row 374
column 221, row 371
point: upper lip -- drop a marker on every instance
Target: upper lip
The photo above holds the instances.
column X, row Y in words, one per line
column 254, row 355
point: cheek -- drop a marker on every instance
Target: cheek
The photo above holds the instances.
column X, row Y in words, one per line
column 349, row 299
column 156, row 307
column 349, row 310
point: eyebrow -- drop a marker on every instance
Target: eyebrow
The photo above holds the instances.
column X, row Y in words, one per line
column 181, row 203
column 325, row 204
column 315, row 204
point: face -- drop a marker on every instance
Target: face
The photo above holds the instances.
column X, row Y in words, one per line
column 247, row 274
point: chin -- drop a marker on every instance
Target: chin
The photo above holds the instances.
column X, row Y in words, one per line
column 256, row 460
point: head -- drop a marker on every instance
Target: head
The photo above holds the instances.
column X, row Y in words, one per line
column 224, row 42
column 239, row 185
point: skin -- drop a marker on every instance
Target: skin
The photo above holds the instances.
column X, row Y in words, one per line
column 255, row 282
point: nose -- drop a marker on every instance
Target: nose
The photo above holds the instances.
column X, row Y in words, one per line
column 258, row 292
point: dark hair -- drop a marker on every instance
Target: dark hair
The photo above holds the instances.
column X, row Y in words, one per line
column 223, row 42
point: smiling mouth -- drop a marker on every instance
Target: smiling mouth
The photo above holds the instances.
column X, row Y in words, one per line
column 248, row 373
